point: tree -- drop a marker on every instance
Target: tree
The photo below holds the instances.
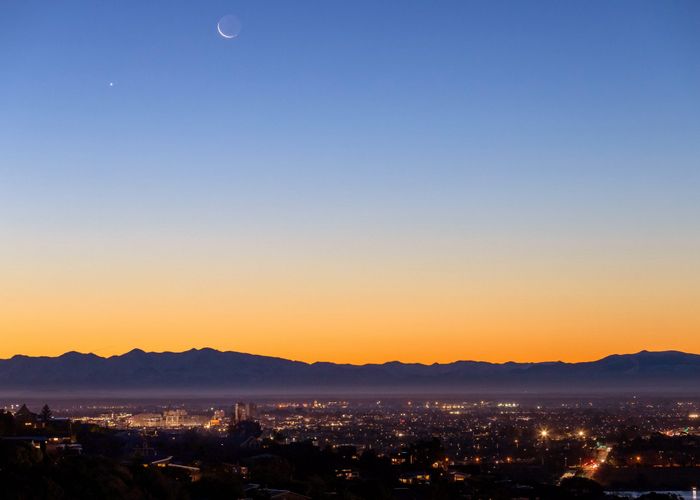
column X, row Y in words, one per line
column 7, row 423
column 46, row 414
column 245, row 429
column 581, row 487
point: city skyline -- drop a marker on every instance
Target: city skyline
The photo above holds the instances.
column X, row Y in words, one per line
column 351, row 183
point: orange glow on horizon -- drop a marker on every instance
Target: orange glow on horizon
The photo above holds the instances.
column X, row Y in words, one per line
column 356, row 311
column 347, row 330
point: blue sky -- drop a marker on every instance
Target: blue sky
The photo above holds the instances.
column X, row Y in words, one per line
column 543, row 126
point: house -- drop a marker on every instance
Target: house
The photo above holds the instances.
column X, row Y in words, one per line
column 25, row 418
column 185, row 471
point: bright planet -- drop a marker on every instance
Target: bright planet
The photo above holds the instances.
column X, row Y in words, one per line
column 229, row 26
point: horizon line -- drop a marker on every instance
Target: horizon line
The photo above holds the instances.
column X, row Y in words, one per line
column 137, row 349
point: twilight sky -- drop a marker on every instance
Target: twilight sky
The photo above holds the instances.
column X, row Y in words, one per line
column 351, row 181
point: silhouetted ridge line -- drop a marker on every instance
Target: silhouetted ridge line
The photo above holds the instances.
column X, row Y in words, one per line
column 212, row 370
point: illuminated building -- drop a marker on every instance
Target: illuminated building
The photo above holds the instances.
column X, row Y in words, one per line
column 243, row 411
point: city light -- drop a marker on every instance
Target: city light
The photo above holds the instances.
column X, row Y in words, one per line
column 480, row 433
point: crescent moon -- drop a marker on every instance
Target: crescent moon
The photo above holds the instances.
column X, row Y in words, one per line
column 218, row 28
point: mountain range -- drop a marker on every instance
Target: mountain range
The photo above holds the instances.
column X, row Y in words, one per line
column 204, row 371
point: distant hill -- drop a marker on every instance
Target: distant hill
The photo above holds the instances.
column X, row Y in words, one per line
column 205, row 371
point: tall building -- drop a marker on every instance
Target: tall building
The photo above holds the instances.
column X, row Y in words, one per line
column 174, row 418
column 243, row 411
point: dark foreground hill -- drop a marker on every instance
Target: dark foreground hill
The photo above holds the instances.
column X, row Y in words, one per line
column 200, row 371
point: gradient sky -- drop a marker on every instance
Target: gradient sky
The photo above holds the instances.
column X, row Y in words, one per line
column 351, row 181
